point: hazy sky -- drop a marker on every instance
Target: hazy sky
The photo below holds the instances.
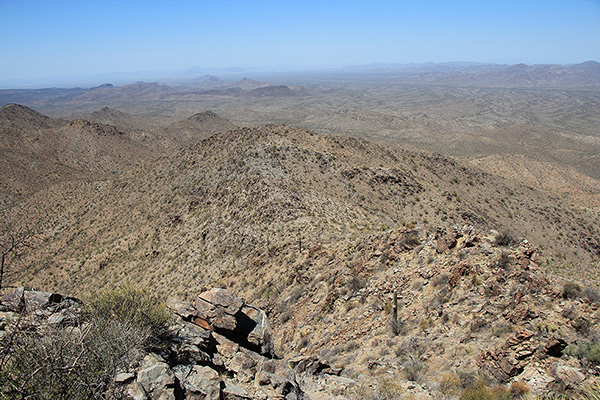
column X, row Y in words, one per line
column 49, row 38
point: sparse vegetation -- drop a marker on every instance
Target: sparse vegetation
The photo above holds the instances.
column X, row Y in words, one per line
column 571, row 290
column 505, row 238
column 481, row 391
column 320, row 231
column 589, row 352
column 80, row 360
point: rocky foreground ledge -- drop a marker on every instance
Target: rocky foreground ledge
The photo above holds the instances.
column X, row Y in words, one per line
column 219, row 347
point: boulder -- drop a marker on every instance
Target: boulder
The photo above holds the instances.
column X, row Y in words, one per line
column 253, row 327
column 277, row 379
column 24, row 298
column 217, row 308
column 227, row 348
column 232, row 391
column 198, row 382
column 571, row 377
column 183, row 309
column 244, row 365
column 156, row 379
column 446, row 242
column 222, row 299
column 309, row 365
column 124, row 377
column 508, row 360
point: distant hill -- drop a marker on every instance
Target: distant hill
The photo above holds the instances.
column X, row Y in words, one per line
column 228, row 199
column 249, row 84
column 208, row 81
column 137, row 91
column 192, row 129
column 275, row 91
column 120, row 119
column 140, row 91
column 38, row 151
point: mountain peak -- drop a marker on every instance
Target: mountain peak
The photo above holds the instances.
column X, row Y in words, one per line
column 203, row 116
column 22, row 116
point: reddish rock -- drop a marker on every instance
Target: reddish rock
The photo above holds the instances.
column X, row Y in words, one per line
column 457, row 272
column 201, row 322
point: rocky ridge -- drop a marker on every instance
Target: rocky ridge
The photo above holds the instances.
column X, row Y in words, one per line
column 434, row 311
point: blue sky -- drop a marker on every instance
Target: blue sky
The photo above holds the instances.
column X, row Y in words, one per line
column 49, row 38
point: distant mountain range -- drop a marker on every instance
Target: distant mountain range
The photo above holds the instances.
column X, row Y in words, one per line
column 204, row 86
column 460, row 73
column 519, row 75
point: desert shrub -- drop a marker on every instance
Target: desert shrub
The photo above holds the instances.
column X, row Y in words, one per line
column 501, row 327
column 518, row 389
column 385, row 388
column 586, row 351
column 467, row 377
column 591, row 393
column 412, row 369
column 425, row 323
column 417, row 285
column 481, row 391
column 441, row 280
column 592, row 294
column 570, row 312
column 504, row 260
column 571, row 290
column 505, row 238
column 398, row 327
column 130, row 305
column 355, row 284
column 477, row 324
column 449, row 385
column 80, row 362
column 285, row 316
column 411, row 240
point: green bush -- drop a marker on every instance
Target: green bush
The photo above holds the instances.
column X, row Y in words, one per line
column 113, row 334
column 128, row 306
column 586, row 351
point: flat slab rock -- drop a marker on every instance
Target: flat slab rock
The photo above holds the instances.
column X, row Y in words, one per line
column 222, row 299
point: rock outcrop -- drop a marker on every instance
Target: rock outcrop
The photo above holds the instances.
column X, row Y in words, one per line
column 223, row 348
column 219, row 347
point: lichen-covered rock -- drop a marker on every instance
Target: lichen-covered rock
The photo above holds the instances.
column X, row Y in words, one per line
column 218, row 309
